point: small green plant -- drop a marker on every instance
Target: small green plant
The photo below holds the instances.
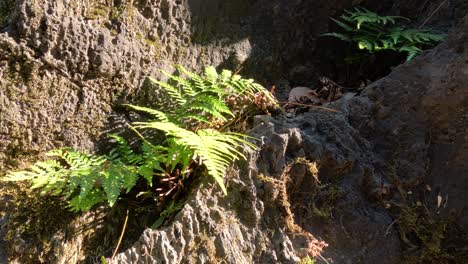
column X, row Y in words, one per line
column 170, row 210
column 307, row 260
column 374, row 33
column 86, row 179
column 201, row 103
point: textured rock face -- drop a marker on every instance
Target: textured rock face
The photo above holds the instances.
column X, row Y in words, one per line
column 414, row 119
column 65, row 65
column 252, row 224
column 421, row 119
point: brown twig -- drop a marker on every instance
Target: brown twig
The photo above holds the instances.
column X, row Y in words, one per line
column 233, row 121
column 121, row 236
column 309, row 105
column 238, row 70
column 432, row 14
column 390, row 226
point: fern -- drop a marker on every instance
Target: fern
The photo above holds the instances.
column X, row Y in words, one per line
column 202, row 98
column 200, row 101
column 217, row 150
column 373, row 33
column 362, row 15
column 86, row 179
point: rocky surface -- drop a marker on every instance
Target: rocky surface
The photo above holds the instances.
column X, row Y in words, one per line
column 65, row 66
column 414, row 120
column 421, row 119
column 253, row 223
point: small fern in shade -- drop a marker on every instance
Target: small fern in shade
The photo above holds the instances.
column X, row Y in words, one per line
column 200, row 105
column 373, row 32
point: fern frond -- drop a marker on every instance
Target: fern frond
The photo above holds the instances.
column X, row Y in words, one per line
column 153, row 156
column 411, row 50
column 85, row 203
column 185, row 85
column 217, row 150
column 374, row 32
column 161, row 116
column 211, row 75
column 343, row 25
column 339, row 36
column 172, row 91
column 225, row 75
column 213, row 106
column 178, row 154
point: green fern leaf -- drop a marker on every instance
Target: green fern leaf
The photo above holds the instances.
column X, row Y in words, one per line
column 217, row 150
column 339, row 36
column 364, row 44
column 161, row 116
column 411, row 50
column 172, row 91
column 85, row 203
column 342, row 25
column 213, row 106
column 211, row 75
column 185, row 85
column 112, row 183
column 225, row 76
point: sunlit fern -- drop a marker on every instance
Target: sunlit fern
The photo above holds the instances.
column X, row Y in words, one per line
column 86, row 179
column 201, row 99
column 217, row 150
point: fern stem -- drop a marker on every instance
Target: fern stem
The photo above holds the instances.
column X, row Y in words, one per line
column 234, row 121
column 139, row 134
column 121, row 236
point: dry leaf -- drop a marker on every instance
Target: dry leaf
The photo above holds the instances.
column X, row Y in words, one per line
column 439, row 200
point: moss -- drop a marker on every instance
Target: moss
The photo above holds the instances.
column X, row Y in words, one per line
column 6, row 9
column 114, row 32
column 324, row 203
column 418, row 228
column 21, row 68
column 114, row 12
column 203, row 244
column 98, row 11
column 319, row 198
column 155, row 43
column 427, row 232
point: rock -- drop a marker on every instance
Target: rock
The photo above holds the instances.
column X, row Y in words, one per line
column 352, row 145
column 91, row 57
column 246, row 216
column 65, row 66
column 423, row 130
